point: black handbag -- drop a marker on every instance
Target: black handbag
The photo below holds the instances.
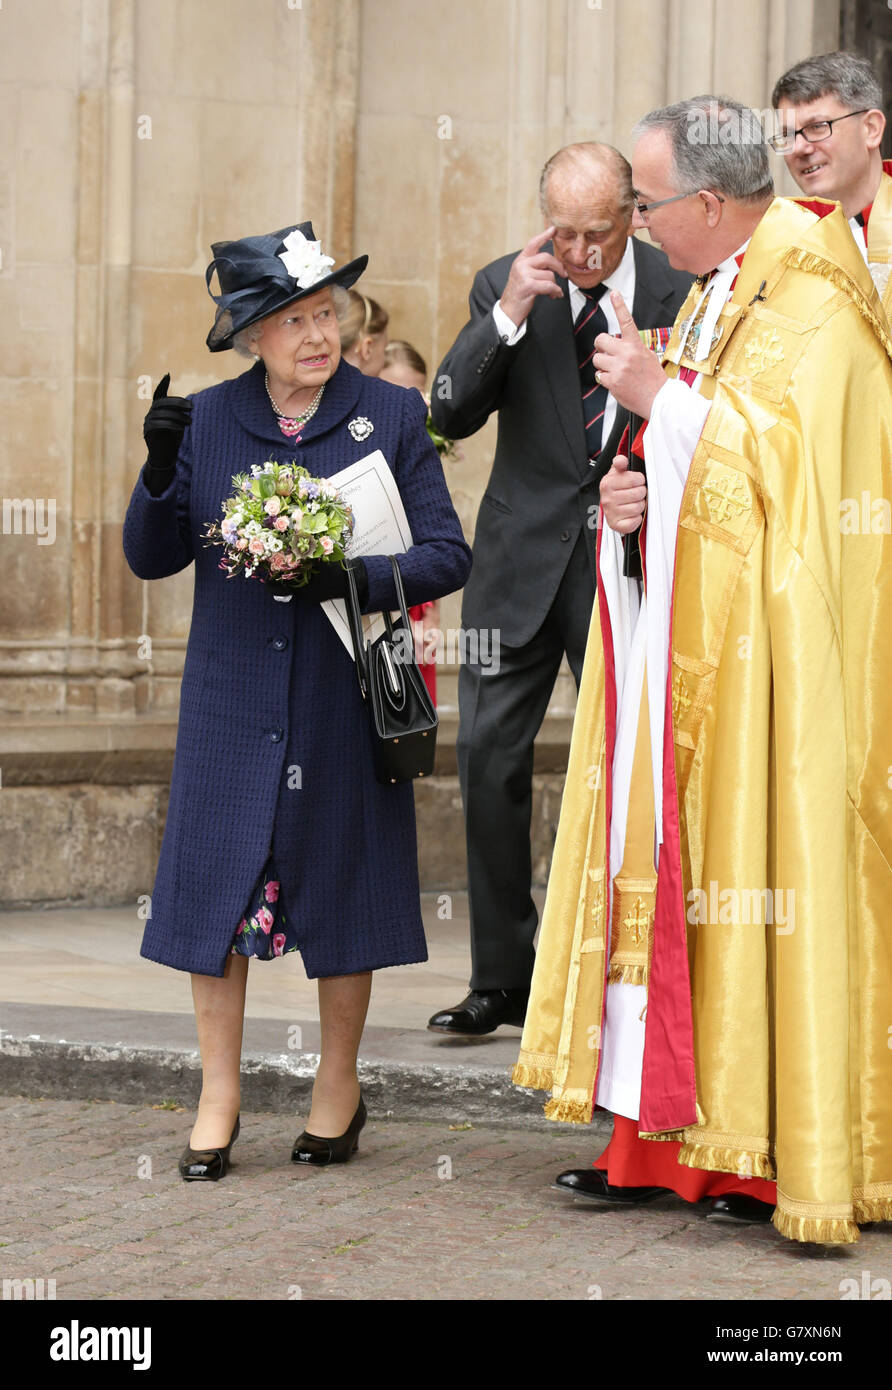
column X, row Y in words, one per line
column 402, row 718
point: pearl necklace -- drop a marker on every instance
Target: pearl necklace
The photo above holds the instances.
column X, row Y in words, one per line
column 292, row 425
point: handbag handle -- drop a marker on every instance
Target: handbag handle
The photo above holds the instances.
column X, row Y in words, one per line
column 400, row 597
column 354, row 618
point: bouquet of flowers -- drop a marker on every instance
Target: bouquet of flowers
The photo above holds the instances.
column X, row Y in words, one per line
column 281, row 524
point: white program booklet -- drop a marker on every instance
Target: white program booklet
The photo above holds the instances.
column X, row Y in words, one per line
column 380, row 528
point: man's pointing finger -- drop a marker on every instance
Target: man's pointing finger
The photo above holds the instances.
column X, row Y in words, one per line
column 623, row 317
column 538, row 241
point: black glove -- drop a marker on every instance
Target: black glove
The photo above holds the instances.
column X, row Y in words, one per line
column 163, row 430
column 331, row 582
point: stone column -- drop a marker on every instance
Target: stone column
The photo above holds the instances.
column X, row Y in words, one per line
column 138, row 132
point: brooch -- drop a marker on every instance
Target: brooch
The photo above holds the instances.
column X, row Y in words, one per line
column 360, row 428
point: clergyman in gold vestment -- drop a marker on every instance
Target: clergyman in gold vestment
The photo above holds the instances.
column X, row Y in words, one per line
column 765, row 951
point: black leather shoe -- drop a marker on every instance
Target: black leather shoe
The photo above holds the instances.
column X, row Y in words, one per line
column 739, row 1210
column 207, row 1165
column 483, row 1011
column 314, row 1148
column 592, row 1183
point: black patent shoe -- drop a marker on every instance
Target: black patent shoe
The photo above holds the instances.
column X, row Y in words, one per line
column 592, row 1183
column 207, row 1165
column 315, row 1148
column 483, row 1011
column 739, row 1210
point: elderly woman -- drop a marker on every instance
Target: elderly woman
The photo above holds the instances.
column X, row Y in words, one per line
column 278, row 836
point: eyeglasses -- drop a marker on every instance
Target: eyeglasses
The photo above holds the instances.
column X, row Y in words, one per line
column 814, row 132
column 643, row 209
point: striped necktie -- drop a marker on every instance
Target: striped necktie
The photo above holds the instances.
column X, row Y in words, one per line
column 590, row 322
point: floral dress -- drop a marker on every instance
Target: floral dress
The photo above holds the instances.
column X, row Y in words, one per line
column 263, row 931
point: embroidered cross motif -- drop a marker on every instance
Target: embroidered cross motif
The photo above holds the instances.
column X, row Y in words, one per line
column 598, row 904
column 637, row 921
column 763, row 352
column 725, row 499
column 681, row 700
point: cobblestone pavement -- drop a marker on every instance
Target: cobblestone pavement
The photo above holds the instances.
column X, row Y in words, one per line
column 93, row 1200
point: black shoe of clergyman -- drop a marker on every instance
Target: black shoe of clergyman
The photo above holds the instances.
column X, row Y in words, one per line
column 739, row 1210
column 483, row 1011
column 592, row 1183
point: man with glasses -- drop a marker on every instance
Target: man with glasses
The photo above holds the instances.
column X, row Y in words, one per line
column 714, row 967
column 525, row 355
column 830, row 129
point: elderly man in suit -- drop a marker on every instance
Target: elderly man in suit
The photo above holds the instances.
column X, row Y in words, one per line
column 526, row 353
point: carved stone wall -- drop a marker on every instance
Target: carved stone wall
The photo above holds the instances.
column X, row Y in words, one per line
column 137, row 132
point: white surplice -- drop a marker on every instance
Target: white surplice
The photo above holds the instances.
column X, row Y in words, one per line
column 640, row 629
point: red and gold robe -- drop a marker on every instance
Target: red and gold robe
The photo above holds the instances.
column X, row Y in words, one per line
column 766, row 1044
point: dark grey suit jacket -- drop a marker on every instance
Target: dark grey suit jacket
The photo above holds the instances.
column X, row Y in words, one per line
column 542, row 491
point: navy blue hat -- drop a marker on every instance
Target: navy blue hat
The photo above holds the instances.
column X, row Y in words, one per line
column 261, row 274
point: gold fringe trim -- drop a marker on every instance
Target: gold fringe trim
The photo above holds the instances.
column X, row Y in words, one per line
column 813, row 264
column 714, row 1159
column 668, row 1136
column 574, row 1112
column 818, row 1230
column 534, row 1078
column 872, row 1209
column 627, row 975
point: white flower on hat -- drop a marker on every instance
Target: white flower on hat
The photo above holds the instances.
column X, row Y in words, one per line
column 304, row 260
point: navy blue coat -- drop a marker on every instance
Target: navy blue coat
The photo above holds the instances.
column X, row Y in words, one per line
column 269, row 696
